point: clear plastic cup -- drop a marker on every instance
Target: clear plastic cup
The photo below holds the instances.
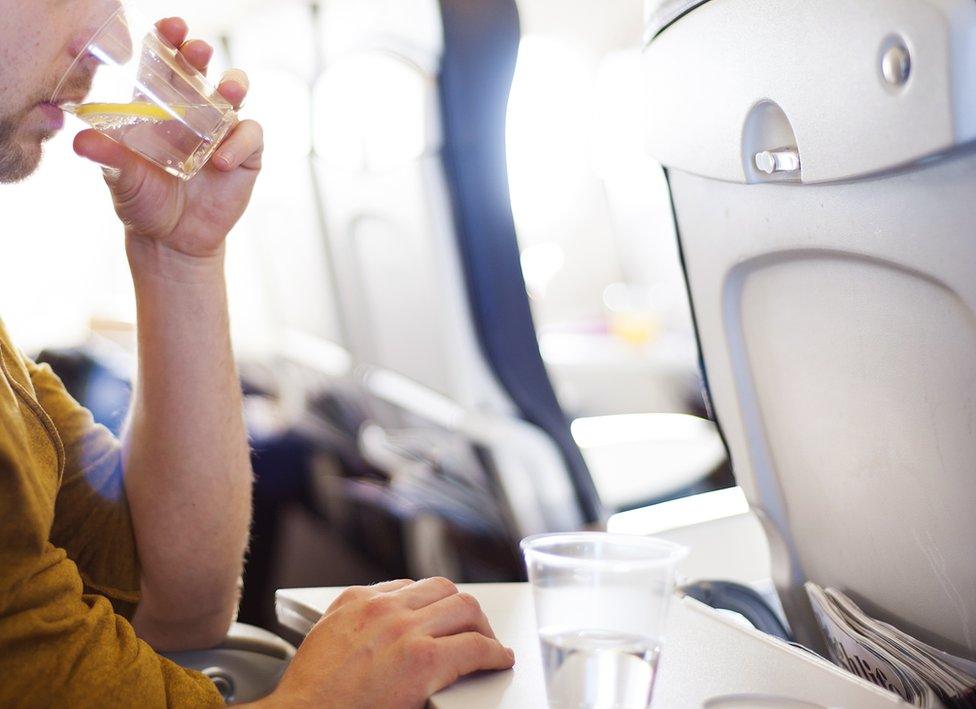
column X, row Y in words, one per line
column 601, row 602
column 132, row 85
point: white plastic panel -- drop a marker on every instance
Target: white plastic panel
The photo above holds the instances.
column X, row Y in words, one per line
column 820, row 63
column 866, row 398
column 838, row 333
column 399, row 339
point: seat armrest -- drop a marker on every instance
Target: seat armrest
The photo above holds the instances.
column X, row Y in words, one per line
column 245, row 666
column 251, row 638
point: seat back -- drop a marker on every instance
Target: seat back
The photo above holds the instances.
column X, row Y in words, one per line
column 387, row 166
column 480, row 48
column 834, row 296
column 386, row 200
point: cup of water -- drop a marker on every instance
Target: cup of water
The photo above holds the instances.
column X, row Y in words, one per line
column 129, row 83
column 601, row 602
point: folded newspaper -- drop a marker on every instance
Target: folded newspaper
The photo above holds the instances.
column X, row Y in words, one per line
column 883, row 654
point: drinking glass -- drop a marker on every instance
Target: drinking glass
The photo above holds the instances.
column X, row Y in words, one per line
column 601, row 602
column 131, row 84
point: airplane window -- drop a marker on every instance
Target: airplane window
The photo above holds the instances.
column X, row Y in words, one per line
column 601, row 264
column 288, row 23
column 283, row 100
column 594, row 224
column 548, row 121
column 649, row 305
column 372, row 113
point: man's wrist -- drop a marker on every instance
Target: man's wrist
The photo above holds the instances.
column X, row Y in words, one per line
column 150, row 258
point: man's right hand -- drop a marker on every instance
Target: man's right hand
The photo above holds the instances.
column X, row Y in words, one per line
column 390, row 645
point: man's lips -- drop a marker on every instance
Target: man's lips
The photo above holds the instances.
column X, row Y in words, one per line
column 53, row 116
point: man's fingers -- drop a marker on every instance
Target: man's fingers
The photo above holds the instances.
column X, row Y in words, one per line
column 233, row 86
column 198, row 53
column 242, row 148
column 459, row 655
column 349, row 595
column 174, row 30
column 105, row 151
column 387, row 586
column 455, row 614
column 423, row 593
column 358, row 593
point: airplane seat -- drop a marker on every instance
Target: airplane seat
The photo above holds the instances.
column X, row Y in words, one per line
column 616, row 462
column 480, row 48
column 387, row 204
column 245, row 667
column 821, row 171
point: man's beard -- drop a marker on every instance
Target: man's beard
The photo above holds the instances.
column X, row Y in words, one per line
column 16, row 161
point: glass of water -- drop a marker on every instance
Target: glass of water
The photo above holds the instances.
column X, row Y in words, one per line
column 601, row 602
column 131, row 84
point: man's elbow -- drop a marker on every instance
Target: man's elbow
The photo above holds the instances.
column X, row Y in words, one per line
column 168, row 632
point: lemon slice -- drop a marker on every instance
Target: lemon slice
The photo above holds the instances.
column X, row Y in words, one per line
column 138, row 109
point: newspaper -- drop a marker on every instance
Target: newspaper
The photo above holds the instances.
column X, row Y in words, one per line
column 892, row 659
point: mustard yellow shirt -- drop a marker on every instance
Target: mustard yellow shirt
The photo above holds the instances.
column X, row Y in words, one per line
column 69, row 572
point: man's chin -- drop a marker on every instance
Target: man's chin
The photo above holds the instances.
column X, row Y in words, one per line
column 18, row 162
column 21, row 137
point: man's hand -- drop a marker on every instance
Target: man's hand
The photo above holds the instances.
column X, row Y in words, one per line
column 390, row 645
column 186, row 218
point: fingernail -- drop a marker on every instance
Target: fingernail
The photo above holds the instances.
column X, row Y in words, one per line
column 224, row 159
column 237, row 76
column 511, row 652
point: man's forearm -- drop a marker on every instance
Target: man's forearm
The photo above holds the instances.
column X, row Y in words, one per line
column 187, row 466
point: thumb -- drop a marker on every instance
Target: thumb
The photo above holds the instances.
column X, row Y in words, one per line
column 121, row 166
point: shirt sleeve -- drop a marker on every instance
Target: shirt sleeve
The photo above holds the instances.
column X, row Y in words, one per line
column 92, row 522
column 60, row 647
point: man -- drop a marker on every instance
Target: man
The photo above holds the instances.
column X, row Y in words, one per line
column 110, row 551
